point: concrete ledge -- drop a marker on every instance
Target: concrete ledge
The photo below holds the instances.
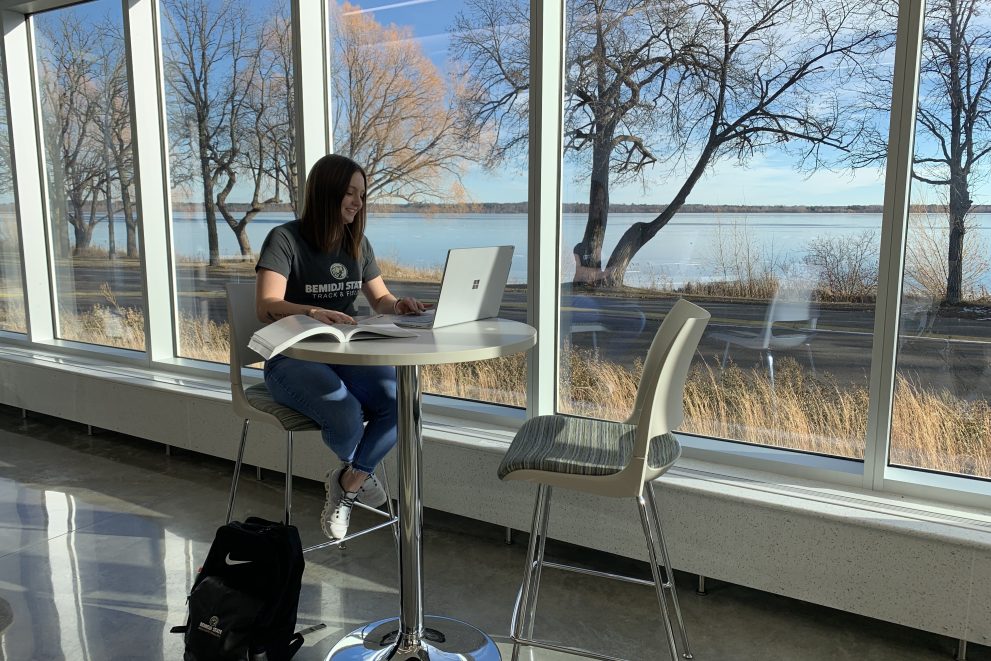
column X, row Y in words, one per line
column 911, row 562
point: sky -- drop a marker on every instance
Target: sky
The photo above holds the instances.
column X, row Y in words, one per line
column 767, row 179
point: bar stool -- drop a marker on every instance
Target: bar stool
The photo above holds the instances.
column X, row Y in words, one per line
column 254, row 403
column 613, row 459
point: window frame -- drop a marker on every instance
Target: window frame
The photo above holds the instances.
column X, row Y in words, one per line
column 310, row 24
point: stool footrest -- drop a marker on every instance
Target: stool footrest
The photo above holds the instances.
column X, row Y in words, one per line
column 554, row 647
column 600, row 574
column 348, row 538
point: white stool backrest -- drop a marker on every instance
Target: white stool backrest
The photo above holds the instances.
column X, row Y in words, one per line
column 659, row 404
column 791, row 303
column 243, row 324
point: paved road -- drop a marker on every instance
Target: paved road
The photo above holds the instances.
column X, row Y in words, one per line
column 956, row 350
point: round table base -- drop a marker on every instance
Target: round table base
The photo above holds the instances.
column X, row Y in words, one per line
column 444, row 639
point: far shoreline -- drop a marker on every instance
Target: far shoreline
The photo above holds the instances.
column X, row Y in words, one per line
column 580, row 207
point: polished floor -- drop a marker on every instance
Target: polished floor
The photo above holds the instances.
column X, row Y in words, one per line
column 101, row 535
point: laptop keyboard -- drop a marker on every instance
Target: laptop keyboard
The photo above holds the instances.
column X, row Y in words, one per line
column 424, row 320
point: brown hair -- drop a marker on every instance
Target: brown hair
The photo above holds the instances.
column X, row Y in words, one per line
column 322, row 224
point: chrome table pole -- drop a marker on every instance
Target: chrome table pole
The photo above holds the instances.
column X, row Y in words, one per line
column 413, row 636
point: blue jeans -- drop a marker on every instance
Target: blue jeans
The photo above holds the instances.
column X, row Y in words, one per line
column 341, row 398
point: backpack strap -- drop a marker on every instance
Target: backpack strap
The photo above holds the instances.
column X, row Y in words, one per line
column 296, row 641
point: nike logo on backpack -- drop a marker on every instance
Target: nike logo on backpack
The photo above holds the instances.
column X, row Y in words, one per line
column 235, row 562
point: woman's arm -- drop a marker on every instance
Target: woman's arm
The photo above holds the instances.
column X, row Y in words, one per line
column 383, row 302
column 271, row 303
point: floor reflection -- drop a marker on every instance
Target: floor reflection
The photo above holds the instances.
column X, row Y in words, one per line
column 86, row 584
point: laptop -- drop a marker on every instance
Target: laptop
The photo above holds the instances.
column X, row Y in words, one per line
column 471, row 288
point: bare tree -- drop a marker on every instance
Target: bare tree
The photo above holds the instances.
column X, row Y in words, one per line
column 114, row 124
column 211, row 62
column 392, row 113
column 847, row 266
column 677, row 84
column 71, row 90
column 6, row 181
column 954, row 116
column 274, row 103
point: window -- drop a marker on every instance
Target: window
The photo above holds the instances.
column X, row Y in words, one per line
column 730, row 153
column 941, row 417
column 408, row 106
column 11, row 288
column 229, row 89
column 92, row 219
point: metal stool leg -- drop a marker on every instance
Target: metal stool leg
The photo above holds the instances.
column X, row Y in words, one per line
column 668, row 569
column 658, row 581
column 541, row 544
column 237, row 471
column 288, row 494
column 961, row 650
column 523, row 598
column 388, row 503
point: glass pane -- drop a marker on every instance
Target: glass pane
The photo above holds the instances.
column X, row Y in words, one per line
column 11, row 286
column 86, row 118
column 229, row 98
column 730, row 153
column 406, row 107
column 942, row 409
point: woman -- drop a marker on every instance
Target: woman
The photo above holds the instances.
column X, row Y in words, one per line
column 316, row 266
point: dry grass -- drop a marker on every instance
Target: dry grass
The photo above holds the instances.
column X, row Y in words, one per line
column 12, row 317
column 936, row 430
column 801, row 412
column 501, row 380
column 393, row 270
column 930, row 428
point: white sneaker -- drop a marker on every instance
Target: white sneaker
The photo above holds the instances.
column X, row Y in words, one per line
column 371, row 492
column 336, row 513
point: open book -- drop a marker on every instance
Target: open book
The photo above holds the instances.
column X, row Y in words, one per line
column 278, row 336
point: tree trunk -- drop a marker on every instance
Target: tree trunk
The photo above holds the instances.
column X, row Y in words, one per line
column 960, row 138
column 239, row 227
column 588, row 252
column 639, row 234
column 243, row 242
column 82, row 237
column 210, row 209
column 78, row 222
column 960, row 204
column 130, row 222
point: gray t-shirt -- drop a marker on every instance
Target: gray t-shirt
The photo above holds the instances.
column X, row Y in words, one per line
column 323, row 280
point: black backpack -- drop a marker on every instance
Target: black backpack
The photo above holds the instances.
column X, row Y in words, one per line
column 245, row 597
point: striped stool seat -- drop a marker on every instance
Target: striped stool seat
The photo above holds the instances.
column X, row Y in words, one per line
column 291, row 419
column 581, row 446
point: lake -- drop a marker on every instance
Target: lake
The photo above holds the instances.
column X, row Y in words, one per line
column 687, row 249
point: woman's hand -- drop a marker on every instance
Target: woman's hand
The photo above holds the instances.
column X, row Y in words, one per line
column 330, row 316
column 409, row 305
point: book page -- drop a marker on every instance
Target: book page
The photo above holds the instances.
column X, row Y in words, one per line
column 278, row 336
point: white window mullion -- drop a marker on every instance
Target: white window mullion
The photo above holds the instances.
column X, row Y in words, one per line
column 27, row 168
column 142, row 37
column 311, row 80
column 897, row 190
column 544, row 199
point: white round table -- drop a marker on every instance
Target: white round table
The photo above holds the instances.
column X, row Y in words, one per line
column 414, row 636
